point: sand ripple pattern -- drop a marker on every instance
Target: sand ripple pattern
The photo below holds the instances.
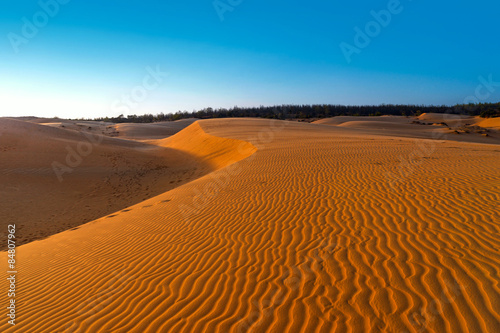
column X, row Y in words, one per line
column 307, row 234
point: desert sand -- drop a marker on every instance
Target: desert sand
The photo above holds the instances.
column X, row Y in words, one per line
column 96, row 174
column 425, row 126
column 343, row 225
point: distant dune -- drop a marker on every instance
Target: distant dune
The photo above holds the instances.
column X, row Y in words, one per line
column 343, row 225
column 490, row 123
column 425, row 126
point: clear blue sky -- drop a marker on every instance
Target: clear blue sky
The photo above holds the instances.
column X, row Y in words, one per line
column 88, row 54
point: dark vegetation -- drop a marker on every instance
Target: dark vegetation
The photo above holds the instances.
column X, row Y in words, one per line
column 485, row 110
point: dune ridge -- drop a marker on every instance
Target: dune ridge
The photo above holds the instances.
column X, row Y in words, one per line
column 218, row 152
column 320, row 230
column 82, row 173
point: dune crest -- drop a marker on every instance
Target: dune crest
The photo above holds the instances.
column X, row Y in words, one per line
column 218, row 152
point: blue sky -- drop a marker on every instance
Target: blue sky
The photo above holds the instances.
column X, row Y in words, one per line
column 91, row 58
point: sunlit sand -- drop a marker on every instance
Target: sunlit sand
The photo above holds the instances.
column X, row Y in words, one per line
column 347, row 224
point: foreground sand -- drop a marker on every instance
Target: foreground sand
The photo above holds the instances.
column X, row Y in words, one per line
column 301, row 228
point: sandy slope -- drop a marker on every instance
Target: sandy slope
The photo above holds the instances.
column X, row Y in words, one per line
column 109, row 175
column 322, row 229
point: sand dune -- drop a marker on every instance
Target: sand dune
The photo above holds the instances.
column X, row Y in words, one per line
column 131, row 131
column 53, row 179
column 425, row 126
column 300, row 228
column 460, row 120
column 37, row 120
column 152, row 131
column 438, row 117
column 490, row 123
column 215, row 151
column 347, row 119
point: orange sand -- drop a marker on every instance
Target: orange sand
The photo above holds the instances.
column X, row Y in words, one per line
column 425, row 126
column 298, row 228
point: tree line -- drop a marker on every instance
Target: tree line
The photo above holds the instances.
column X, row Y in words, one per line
column 485, row 110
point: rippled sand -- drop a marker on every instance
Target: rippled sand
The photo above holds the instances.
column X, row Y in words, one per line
column 291, row 227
